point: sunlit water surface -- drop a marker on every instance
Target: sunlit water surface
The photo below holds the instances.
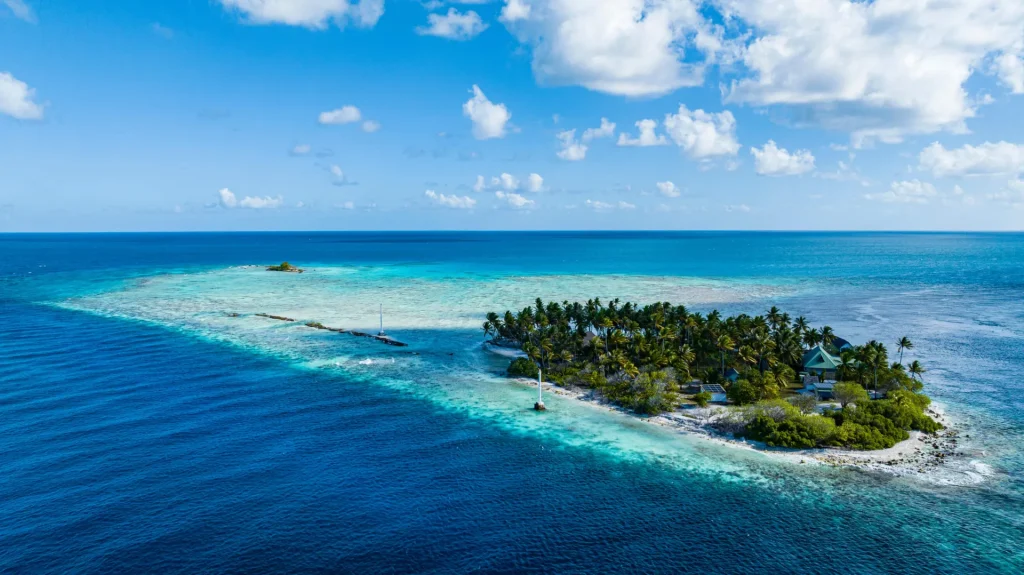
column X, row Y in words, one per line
column 145, row 427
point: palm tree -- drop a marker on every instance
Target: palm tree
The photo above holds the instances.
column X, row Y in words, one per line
column 800, row 326
column 632, row 346
column 779, row 372
column 784, row 320
column 874, row 356
column 788, row 349
column 493, row 325
column 531, row 352
column 747, row 355
column 774, row 318
column 812, row 338
column 546, row 348
column 616, row 339
column 916, row 370
column 902, row 344
column 847, row 361
column 763, row 345
column 827, row 335
column 691, row 323
column 684, row 359
column 724, row 344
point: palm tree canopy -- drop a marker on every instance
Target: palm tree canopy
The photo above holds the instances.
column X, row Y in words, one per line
column 625, row 349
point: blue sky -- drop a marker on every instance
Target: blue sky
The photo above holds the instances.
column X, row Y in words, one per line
column 335, row 114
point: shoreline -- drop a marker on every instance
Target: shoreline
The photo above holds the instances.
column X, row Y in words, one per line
column 935, row 459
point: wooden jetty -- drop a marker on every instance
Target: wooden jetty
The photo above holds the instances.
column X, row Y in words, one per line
column 277, row 317
column 385, row 339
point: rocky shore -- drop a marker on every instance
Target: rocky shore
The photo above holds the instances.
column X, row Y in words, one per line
column 937, row 457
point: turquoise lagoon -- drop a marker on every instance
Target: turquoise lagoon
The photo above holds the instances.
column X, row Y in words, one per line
column 146, row 428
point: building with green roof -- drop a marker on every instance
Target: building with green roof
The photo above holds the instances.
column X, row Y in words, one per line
column 817, row 361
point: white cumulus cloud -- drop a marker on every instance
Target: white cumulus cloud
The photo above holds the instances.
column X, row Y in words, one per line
column 668, row 189
column 452, row 201
column 1010, row 68
column 702, row 134
column 257, row 202
column 605, row 206
column 646, row 137
column 301, row 150
column 906, row 192
column 535, row 183
column 507, row 181
column 453, row 25
column 606, row 130
column 772, row 160
column 572, row 150
column 343, row 115
column 16, row 99
column 623, row 47
column 515, row 200
column 371, row 126
column 489, row 119
column 514, row 11
column 309, row 13
column 990, row 158
column 878, row 69
column 227, row 199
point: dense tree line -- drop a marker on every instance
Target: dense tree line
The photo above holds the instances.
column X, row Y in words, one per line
column 641, row 357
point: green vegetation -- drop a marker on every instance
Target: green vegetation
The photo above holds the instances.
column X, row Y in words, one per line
column 877, row 424
column 805, row 402
column 284, row 267
column 702, row 399
column 522, row 367
column 648, row 393
column 846, row 393
column 643, row 357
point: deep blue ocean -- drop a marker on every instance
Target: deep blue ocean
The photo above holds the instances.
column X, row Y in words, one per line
column 143, row 429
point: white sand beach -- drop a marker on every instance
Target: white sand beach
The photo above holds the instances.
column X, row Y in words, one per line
column 931, row 458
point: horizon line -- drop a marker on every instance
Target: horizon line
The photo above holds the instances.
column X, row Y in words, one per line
column 506, row 231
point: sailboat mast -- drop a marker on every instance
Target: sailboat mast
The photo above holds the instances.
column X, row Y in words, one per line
column 539, row 406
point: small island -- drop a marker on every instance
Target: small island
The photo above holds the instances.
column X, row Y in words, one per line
column 285, row 267
column 781, row 382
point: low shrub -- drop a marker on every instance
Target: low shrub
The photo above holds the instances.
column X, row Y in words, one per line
column 806, row 403
column 800, row 431
column 702, row 399
column 522, row 367
column 742, row 392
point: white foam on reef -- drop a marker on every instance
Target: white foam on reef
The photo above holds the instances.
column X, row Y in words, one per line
column 441, row 317
column 350, row 298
